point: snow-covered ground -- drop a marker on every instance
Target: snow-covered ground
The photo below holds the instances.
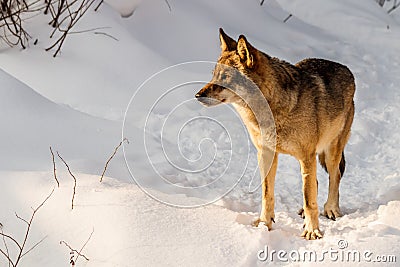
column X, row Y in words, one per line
column 181, row 154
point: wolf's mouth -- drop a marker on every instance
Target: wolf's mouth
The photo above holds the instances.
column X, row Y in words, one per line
column 208, row 102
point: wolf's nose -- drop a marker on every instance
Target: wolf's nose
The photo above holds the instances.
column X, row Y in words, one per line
column 198, row 95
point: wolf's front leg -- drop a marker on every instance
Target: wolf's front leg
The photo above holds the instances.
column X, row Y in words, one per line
column 268, row 163
column 310, row 190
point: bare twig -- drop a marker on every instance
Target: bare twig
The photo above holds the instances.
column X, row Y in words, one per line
column 381, row 2
column 108, row 161
column 169, row 6
column 34, row 246
column 97, row 7
column 64, row 16
column 106, row 34
column 287, row 18
column 73, row 177
column 22, row 219
column 94, row 31
column 54, row 167
column 84, row 245
column 89, row 30
column 29, row 226
column 262, row 2
column 78, row 253
column 7, row 256
column 395, row 5
column 73, row 250
column 5, row 245
column 12, row 239
column 12, row 20
column 72, row 16
column 21, row 245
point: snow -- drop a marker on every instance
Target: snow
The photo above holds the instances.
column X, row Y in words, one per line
column 81, row 102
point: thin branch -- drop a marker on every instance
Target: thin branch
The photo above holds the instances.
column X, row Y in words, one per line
column 395, row 5
column 73, row 17
column 21, row 246
column 108, row 35
column 25, row 238
column 11, row 14
column 169, row 6
column 20, row 254
column 5, row 245
column 108, row 161
column 97, row 7
column 89, row 30
column 7, row 257
column 73, row 250
column 287, row 18
column 262, row 2
column 54, row 167
column 22, row 219
column 73, row 194
column 34, row 246
column 12, row 239
column 44, row 201
column 84, row 245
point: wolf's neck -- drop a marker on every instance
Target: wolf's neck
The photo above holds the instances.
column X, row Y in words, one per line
column 281, row 82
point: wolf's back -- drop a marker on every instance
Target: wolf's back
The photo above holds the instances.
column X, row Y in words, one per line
column 337, row 78
column 339, row 85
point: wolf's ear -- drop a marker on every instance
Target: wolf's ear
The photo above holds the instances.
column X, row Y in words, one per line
column 227, row 43
column 245, row 51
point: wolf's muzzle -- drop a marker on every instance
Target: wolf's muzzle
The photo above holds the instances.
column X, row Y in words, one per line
column 206, row 101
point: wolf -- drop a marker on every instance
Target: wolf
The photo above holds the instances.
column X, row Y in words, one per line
column 313, row 108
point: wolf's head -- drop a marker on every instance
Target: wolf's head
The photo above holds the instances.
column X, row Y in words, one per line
column 235, row 64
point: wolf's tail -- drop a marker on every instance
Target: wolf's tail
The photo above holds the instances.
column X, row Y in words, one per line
column 342, row 164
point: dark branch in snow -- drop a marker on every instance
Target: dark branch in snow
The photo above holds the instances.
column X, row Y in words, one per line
column 98, row 6
column 54, row 167
column 73, row 177
column 67, row 15
column 106, row 34
column 94, row 31
column 74, row 251
column 64, row 15
column 6, row 253
column 395, row 5
column 12, row 14
column 381, row 2
column 108, row 161
column 21, row 245
column 169, row 6
column 287, row 18
column 84, row 245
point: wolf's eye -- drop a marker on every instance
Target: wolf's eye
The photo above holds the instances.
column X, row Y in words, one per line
column 223, row 76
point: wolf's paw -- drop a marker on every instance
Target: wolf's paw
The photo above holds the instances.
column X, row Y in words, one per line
column 312, row 234
column 268, row 223
column 332, row 211
column 311, row 225
column 301, row 213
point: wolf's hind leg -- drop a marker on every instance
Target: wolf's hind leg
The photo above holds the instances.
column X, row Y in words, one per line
column 335, row 162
